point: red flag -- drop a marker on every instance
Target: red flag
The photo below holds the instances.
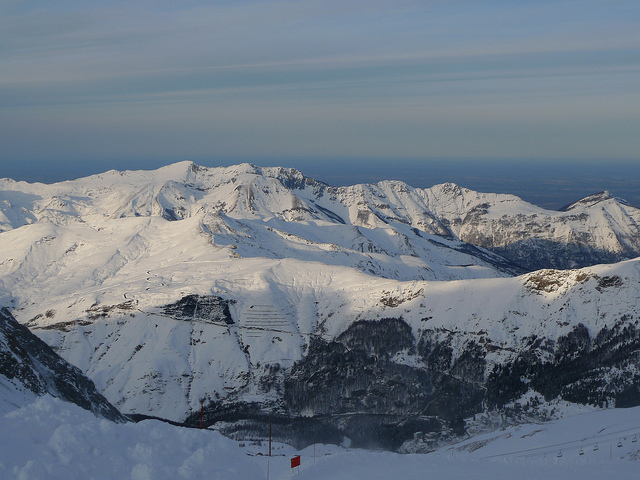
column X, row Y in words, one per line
column 295, row 462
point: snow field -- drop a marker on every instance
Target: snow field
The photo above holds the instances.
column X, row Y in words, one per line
column 51, row 439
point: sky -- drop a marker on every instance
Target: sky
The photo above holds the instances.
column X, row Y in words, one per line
column 86, row 86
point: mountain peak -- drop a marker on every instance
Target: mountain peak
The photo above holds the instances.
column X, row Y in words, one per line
column 591, row 200
column 180, row 171
column 448, row 188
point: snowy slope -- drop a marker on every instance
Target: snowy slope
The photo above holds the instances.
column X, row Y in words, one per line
column 146, row 361
column 50, row 439
column 523, row 452
column 588, row 436
column 597, row 229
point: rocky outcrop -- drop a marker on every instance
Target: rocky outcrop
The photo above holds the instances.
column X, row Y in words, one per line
column 30, row 364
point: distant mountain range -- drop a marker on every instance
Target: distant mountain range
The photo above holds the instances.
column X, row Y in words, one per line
column 381, row 309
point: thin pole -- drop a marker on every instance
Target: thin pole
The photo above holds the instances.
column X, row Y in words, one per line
column 269, row 435
column 201, row 413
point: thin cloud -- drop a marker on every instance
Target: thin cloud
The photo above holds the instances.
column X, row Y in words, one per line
column 439, row 78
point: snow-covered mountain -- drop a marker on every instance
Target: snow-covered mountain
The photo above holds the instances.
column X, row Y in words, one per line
column 29, row 368
column 596, row 229
column 258, row 289
column 247, row 211
column 386, row 218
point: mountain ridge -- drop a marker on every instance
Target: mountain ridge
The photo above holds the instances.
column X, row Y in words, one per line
column 596, row 229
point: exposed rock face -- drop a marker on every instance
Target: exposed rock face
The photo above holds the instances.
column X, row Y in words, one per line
column 208, row 308
column 27, row 363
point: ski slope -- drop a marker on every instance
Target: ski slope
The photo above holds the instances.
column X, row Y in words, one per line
column 51, row 439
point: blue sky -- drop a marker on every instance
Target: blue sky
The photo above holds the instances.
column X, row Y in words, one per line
column 110, row 84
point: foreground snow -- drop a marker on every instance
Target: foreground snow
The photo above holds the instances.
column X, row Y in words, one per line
column 51, row 439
